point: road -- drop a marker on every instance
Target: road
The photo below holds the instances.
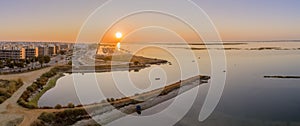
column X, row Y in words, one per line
column 57, row 60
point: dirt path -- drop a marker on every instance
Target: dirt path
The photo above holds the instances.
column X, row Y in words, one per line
column 10, row 110
column 27, row 78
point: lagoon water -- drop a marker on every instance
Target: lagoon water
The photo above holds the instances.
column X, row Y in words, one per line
column 248, row 97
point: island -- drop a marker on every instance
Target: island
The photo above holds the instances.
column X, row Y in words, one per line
column 283, row 77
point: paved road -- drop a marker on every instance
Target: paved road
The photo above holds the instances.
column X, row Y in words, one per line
column 61, row 59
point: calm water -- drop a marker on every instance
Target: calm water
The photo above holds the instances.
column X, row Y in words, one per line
column 248, row 98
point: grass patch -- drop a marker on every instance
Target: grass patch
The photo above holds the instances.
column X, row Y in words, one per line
column 51, row 83
column 30, row 97
column 8, row 88
column 64, row 118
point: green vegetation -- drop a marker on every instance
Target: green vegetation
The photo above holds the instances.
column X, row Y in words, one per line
column 15, row 63
column 58, row 106
column 43, row 59
column 71, row 105
column 71, row 116
column 64, row 118
column 8, row 87
column 70, row 63
column 30, row 97
column 135, row 60
column 1, row 64
column 51, row 84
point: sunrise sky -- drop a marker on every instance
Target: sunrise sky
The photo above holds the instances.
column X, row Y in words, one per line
column 60, row 20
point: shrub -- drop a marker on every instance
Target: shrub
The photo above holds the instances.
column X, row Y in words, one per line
column 37, row 123
column 79, row 106
column 64, row 118
column 71, row 105
column 46, row 107
column 30, row 88
column 112, row 99
column 136, row 62
column 3, row 91
column 58, row 106
column 47, row 117
column 102, row 101
column 25, row 104
column 2, row 99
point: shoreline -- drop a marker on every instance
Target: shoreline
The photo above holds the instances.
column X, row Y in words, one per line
column 149, row 100
column 282, row 77
column 126, row 63
column 50, row 84
column 127, row 104
column 31, row 97
column 39, row 86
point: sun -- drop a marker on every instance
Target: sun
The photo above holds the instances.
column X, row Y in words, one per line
column 119, row 35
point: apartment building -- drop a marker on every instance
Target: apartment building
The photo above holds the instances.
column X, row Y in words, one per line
column 12, row 53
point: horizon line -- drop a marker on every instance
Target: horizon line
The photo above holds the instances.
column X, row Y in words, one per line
column 35, row 41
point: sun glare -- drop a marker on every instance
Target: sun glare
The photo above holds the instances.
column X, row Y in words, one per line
column 119, row 35
column 119, row 45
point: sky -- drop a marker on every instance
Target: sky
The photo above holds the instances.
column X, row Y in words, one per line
column 61, row 20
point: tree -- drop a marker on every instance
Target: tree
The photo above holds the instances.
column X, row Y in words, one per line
column 58, row 106
column 112, row 99
column 8, row 61
column 20, row 64
column 11, row 65
column 71, row 105
column 136, row 62
column 62, row 52
column 47, row 59
column 19, row 81
column 70, row 63
column 27, row 61
column 35, row 59
column 41, row 60
column 1, row 64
